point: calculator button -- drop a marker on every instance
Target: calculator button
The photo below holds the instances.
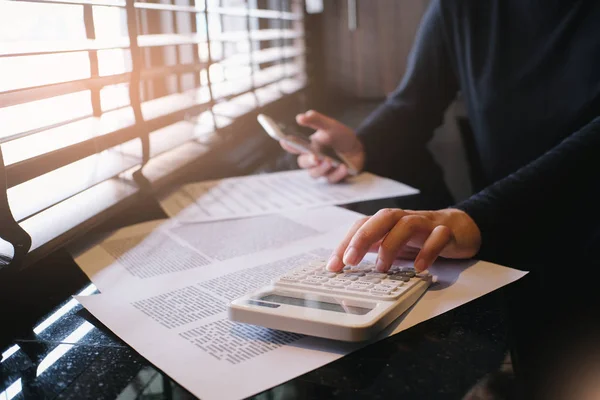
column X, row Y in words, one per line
column 399, row 278
column 389, row 285
column 354, row 271
column 358, row 288
column 357, row 274
column 342, row 281
column 334, row 284
column 377, row 290
column 352, row 277
column 304, row 270
column 362, row 284
column 312, row 282
column 377, row 275
column 389, row 295
column 326, row 274
column 316, row 278
column 292, row 277
column 369, row 279
column 399, row 291
column 365, row 267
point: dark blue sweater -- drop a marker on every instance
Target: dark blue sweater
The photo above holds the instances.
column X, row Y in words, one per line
column 529, row 71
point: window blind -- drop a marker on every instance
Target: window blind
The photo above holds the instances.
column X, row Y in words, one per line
column 101, row 98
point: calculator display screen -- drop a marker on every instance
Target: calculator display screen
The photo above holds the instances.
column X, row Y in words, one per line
column 320, row 305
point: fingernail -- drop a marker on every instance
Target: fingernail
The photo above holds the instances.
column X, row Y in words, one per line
column 314, row 160
column 419, row 265
column 333, row 263
column 379, row 266
column 350, row 257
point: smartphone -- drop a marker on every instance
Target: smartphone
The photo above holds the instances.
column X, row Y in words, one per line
column 303, row 144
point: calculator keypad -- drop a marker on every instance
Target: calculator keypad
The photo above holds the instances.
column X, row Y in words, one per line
column 361, row 280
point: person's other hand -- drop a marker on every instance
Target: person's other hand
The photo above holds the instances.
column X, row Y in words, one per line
column 334, row 134
column 394, row 233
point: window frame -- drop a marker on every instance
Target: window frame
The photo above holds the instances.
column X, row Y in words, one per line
column 122, row 190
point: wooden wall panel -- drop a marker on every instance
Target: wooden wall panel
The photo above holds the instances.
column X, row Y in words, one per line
column 369, row 62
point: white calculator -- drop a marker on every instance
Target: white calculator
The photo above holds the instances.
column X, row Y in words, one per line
column 353, row 305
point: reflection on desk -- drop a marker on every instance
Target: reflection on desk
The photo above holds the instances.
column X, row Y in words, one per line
column 69, row 355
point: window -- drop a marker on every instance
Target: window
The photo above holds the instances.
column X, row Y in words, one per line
column 85, row 83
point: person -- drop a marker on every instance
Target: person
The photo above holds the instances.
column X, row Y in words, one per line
column 529, row 73
column 544, row 217
column 547, row 209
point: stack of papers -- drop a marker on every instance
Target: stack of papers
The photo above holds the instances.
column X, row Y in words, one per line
column 166, row 284
column 273, row 193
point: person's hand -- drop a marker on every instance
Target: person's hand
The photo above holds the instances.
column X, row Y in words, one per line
column 334, row 134
column 422, row 235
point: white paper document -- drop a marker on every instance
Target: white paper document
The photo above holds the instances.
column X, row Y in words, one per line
column 273, row 193
column 181, row 324
column 162, row 250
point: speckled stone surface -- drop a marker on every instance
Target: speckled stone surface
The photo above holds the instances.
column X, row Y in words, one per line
column 441, row 358
column 76, row 357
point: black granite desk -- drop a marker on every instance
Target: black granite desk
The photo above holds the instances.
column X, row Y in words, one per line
column 72, row 356
column 441, row 358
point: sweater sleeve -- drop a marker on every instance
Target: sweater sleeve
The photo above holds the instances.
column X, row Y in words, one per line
column 549, row 207
column 399, row 129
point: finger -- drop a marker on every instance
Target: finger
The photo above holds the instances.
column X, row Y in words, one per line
column 335, row 262
column 407, row 227
column 440, row 237
column 308, row 161
column 320, row 170
column 314, row 120
column 407, row 253
column 321, row 139
column 289, row 148
column 375, row 247
column 338, row 174
column 373, row 230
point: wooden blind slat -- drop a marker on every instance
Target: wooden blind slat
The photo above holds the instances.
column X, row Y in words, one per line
column 157, row 109
column 106, row 3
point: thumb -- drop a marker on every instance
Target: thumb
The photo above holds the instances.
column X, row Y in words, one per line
column 321, row 138
column 314, row 120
